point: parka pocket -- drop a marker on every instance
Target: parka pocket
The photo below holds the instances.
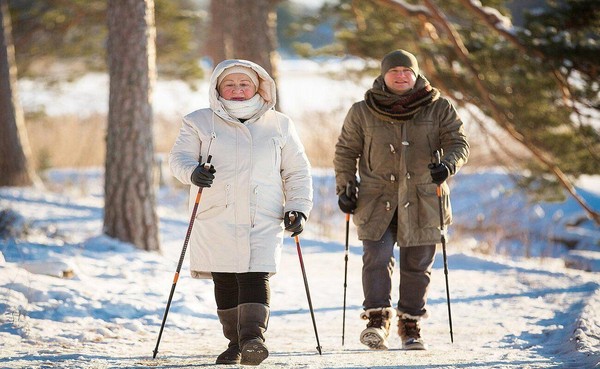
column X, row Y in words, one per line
column 214, row 203
column 368, row 199
column 428, row 205
column 367, row 151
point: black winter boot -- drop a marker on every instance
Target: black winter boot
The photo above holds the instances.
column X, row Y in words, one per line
column 229, row 320
column 253, row 319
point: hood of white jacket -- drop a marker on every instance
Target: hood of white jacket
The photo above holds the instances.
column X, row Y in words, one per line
column 266, row 88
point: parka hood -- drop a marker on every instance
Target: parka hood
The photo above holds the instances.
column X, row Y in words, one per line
column 266, row 87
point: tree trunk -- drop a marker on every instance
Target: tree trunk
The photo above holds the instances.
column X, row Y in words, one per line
column 130, row 205
column 242, row 29
column 15, row 168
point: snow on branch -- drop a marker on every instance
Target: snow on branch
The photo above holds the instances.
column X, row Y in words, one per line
column 503, row 26
column 492, row 16
column 497, row 22
column 413, row 9
column 406, row 8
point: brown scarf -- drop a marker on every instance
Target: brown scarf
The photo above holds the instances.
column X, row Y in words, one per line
column 387, row 105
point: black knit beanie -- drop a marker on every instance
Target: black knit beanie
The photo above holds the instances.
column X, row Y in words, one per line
column 399, row 58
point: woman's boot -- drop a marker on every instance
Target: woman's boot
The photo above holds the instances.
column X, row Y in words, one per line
column 229, row 320
column 253, row 319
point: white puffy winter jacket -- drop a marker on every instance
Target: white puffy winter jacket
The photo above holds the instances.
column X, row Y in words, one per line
column 261, row 172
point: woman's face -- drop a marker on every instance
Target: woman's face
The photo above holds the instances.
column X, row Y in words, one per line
column 237, row 86
column 400, row 79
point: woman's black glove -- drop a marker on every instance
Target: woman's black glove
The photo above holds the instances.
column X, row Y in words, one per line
column 347, row 199
column 294, row 222
column 202, row 176
column 439, row 172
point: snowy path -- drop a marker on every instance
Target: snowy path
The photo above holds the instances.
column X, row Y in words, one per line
column 505, row 314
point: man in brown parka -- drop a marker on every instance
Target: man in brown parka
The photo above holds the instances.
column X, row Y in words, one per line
column 391, row 137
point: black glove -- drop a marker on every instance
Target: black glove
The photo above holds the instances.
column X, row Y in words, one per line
column 294, row 222
column 439, row 172
column 203, row 177
column 347, row 199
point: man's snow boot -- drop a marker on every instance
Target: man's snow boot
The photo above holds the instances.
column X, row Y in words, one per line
column 409, row 330
column 253, row 319
column 229, row 320
column 378, row 328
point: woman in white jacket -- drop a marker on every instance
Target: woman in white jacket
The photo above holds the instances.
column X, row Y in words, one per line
column 257, row 183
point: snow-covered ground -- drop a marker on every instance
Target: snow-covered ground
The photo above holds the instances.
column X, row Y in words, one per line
column 72, row 298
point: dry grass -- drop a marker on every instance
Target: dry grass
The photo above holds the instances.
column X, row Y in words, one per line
column 67, row 141
column 319, row 132
column 71, row 141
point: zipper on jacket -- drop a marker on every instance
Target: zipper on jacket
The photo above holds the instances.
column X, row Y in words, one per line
column 227, row 191
column 253, row 217
column 276, row 149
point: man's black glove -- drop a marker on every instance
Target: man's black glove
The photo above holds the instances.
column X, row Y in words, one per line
column 347, row 199
column 203, row 177
column 294, row 222
column 439, row 172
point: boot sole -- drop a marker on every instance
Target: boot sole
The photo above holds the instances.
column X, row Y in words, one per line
column 374, row 341
column 227, row 362
column 230, row 356
column 254, row 353
column 415, row 345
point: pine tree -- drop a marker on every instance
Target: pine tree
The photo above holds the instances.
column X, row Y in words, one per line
column 15, row 162
column 129, row 198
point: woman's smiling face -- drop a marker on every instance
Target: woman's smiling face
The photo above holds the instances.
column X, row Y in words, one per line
column 237, row 86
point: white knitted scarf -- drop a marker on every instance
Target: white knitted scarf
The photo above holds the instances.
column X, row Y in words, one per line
column 244, row 109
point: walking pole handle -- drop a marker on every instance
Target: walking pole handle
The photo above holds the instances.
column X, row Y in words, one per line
column 438, row 160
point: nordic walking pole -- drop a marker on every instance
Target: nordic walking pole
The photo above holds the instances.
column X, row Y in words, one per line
column 350, row 192
column 312, row 313
column 345, row 276
column 181, row 257
column 438, row 161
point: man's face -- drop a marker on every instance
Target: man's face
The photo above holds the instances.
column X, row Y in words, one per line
column 400, row 79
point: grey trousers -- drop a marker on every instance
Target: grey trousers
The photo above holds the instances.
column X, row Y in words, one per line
column 415, row 274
